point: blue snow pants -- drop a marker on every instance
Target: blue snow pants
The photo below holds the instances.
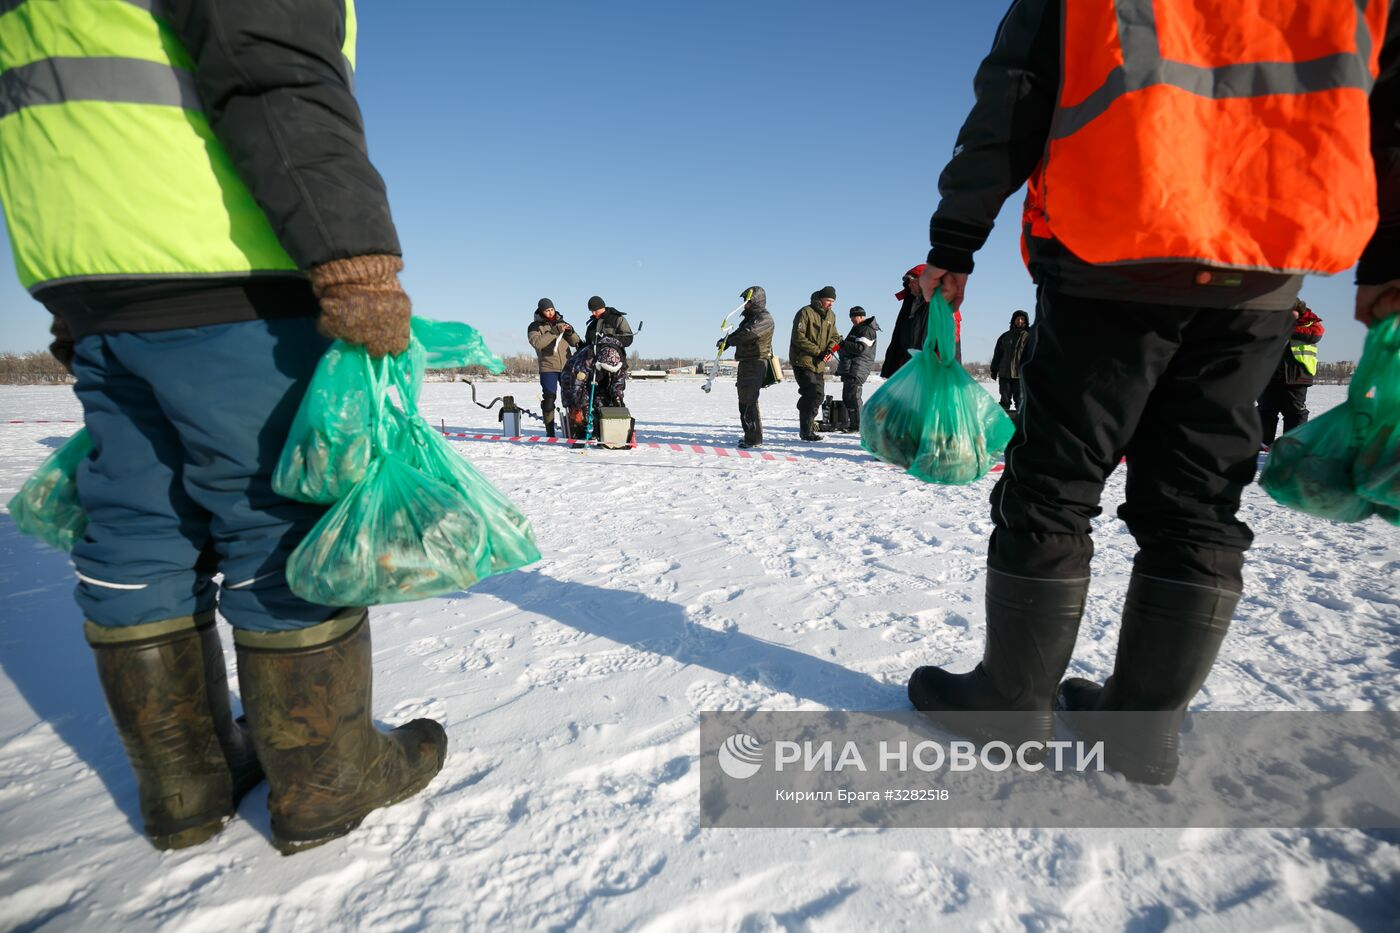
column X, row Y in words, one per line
column 187, row 426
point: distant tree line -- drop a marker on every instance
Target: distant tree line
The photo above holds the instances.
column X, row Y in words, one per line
column 36, row 368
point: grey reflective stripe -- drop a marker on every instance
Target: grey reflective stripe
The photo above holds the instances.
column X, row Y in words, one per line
column 114, row 80
column 1143, row 67
column 1137, row 32
column 1363, row 32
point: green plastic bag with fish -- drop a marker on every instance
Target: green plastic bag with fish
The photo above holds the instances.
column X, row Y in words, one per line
column 411, row 519
column 1377, row 468
column 931, row 417
column 1344, row 465
column 46, row 506
column 330, row 445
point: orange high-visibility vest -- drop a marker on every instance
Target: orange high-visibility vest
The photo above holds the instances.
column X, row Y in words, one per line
column 1232, row 133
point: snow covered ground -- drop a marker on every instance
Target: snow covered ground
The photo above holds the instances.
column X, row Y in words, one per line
column 674, row 582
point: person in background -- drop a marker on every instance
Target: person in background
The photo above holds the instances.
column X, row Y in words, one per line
column 1287, row 392
column 1007, row 359
column 551, row 337
column 609, row 321
column 1165, row 279
column 911, row 326
column 814, row 340
column 856, row 358
column 752, row 341
column 196, row 274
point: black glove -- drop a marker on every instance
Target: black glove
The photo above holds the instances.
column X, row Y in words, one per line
column 994, row 374
column 62, row 346
column 722, row 344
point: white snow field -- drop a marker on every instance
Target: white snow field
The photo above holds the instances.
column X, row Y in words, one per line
column 674, row 582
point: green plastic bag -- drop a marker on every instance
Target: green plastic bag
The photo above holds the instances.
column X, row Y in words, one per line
column 1377, row 471
column 421, row 521
column 329, row 447
column 931, row 417
column 1315, row 468
column 511, row 541
column 399, row 535
column 449, row 344
column 46, row 506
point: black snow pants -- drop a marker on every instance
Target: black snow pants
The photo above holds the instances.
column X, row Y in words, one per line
column 1010, row 393
column 1172, row 388
column 750, row 383
column 850, row 397
column 811, row 392
column 1280, row 399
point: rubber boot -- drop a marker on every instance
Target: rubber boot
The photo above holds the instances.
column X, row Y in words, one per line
column 753, row 427
column 167, row 690
column 1010, row 696
column 547, row 410
column 1169, row 640
column 308, row 695
column 808, row 430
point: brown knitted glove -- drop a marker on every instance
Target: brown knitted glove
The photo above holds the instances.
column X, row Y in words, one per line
column 62, row 346
column 363, row 303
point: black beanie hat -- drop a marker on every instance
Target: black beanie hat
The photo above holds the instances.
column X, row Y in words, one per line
column 544, row 303
column 827, row 292
column 857, row 310
column 595, row 303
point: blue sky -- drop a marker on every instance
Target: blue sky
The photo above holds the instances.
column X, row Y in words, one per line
column 665, row 156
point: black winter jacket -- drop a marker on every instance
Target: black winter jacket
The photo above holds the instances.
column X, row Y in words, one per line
column 1011, row 349
column 910, row 331
column 1005, row 136
column 857, row 353
column 277, row 91
column 753, row 338
column 614, row 325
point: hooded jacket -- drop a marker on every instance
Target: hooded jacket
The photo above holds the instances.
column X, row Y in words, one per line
column 814, row 333
column 551, row 341
column 753, row 338
column 858, row 351
column 1011, row 348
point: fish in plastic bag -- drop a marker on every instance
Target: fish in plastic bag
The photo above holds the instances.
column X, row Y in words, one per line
column 329, row 447
column 1377, row 470
column 931, row 417
column 399, row 535
column 46, row 506
column 1321, row 466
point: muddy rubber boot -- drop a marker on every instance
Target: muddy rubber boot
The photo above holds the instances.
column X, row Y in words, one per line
column 1170, row 637
column 167, row 690
column 1010, row 697
column 308, row 695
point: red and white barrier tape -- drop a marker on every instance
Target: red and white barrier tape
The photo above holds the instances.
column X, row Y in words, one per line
column 702, row 449
column 44, row 421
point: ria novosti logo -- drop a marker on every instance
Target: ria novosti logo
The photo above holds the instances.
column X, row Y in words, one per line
column 741, row 756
